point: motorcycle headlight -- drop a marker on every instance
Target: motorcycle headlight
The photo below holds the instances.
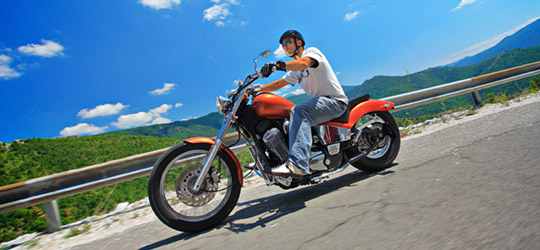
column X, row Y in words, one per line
column 223, row 104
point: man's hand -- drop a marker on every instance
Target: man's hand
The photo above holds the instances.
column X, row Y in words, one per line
column 269, row 68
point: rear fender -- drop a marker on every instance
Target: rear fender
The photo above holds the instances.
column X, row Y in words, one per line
column 211, row 141
column 361, row 109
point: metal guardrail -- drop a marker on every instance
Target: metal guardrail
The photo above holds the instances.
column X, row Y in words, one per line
column 45, row 190
column 470, row 85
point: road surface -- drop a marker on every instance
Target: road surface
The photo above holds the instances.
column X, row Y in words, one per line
column 473, row 185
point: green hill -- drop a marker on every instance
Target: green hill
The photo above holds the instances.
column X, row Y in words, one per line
column 378, row 87
column 26, row 159
column 208, row 126
column 526, row 37
column 386, row 86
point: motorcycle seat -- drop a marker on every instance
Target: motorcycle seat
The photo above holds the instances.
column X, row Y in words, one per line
column 353, row 102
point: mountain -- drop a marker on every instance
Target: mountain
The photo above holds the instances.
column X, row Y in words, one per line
column 527, row 37
column 378, row 87
column 208, row 125
column 385, row 86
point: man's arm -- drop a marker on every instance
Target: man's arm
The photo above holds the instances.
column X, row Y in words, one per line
column 275, row 85
column 300, row 64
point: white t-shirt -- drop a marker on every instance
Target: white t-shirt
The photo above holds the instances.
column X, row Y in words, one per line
column 318, row 80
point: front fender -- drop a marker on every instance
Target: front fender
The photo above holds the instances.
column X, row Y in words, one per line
column 361, row 109
column 211, row 141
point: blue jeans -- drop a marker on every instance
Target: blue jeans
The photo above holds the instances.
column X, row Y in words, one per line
column 304, row 116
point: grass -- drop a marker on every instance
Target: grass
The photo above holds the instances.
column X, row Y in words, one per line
column 78, row 231
column 31, row 243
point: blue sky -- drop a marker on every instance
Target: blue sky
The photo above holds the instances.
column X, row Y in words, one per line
column 87, row 67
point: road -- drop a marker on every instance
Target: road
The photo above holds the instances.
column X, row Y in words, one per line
column 473, row 185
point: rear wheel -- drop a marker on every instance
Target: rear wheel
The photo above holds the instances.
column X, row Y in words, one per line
column 171, row 194
column 383, row 155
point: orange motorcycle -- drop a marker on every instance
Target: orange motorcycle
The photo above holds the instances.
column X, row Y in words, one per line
column 192, row 195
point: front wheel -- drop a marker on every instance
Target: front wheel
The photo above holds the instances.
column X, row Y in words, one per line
column 384, row 154
column 171, row 194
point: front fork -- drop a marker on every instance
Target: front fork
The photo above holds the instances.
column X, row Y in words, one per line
column 219, row 141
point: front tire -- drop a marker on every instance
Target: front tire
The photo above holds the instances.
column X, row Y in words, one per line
column 177, row 205
column 386, row 152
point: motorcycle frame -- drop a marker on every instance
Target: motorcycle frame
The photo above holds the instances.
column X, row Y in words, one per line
column 355, row 114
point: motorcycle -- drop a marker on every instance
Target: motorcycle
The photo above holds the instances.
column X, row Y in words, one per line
column 189, row 195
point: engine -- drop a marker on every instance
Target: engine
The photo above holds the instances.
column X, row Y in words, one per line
column 275, row 142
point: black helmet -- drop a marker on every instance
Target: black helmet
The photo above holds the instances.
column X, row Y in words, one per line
column 294, row 34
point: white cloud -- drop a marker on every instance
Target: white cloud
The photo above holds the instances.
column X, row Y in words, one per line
column 82, row 129
column 279, row 53
column 6, row 72
column 296, row 92
column 160, row 120
column 102, row 110
column 167, row 87
column 143, row 118
column 484, row 45
column 160, row 110
column 5, row 59
column 189, row 118
column 132, row 120
column 351, row 15
column 178, row 105
column 463, row 3
column 220, row 11
column 160, row 4
column 47, row 49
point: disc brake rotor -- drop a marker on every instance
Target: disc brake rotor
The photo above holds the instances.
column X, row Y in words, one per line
column 369, row 138
column 185, row 183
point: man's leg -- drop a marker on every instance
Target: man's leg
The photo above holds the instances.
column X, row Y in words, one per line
column 303, row 117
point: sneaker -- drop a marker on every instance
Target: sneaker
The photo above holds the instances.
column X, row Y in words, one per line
column 250, row 166
column 288, row 168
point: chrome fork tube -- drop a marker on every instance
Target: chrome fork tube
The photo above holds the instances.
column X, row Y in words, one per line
column 219, row 141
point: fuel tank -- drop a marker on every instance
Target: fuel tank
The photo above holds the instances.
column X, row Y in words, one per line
column 272, row 106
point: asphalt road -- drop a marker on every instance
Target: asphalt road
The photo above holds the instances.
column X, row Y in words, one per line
column 473, row 185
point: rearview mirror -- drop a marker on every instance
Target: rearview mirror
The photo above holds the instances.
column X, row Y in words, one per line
column 263, row 54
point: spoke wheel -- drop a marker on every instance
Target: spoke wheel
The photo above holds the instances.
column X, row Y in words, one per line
column 171, row 188
column 386, row 151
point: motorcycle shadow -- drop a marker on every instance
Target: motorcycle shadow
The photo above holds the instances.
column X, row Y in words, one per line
column 259, row 212
column 267, row 209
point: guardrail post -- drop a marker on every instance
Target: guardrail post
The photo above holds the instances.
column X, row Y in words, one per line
column 477, row 100
column 53, row 216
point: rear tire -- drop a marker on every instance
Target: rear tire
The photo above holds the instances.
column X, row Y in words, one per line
column 180, row 208
column 384, row 155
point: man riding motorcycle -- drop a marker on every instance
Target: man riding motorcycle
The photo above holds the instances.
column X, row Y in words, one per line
column 313, row 72
column 196, row 184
